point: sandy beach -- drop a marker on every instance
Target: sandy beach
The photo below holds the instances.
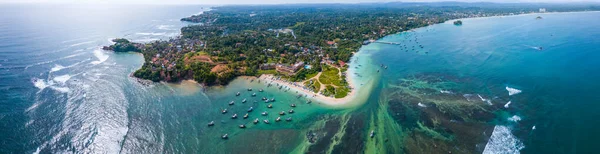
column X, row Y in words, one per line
column 298, row 87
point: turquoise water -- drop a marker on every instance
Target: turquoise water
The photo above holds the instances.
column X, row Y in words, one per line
column 559, row 84
column 60, row 93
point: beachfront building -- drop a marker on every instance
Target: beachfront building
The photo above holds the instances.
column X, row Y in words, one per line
column 268, row 66
column 289, row 69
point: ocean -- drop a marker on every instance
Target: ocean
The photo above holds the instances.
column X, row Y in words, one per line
column 446, row 86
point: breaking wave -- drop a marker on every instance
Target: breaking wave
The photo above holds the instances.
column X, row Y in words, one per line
column 57, row 68
column 503, row 141
column 102, row 57
column 446, row 92
column 512, row 91
column 152, row 34
column 488, row 101
column 514, row 118
column 40, row 83
column 166, row 27
column 63, row 78
column 81, row 43
column 506, row 105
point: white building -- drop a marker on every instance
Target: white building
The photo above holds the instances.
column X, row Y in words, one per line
column 542, row 10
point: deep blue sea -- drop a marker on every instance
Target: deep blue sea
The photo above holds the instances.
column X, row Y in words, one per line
column 59, row 93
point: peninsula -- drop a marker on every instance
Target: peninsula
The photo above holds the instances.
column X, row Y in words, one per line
column 306, row 44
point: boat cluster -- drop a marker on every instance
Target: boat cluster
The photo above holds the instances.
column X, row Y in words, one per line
column 264, row 113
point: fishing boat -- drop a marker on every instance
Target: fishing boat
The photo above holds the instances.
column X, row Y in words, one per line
column 246, row 116
column 264, row 113
column 256, row 121
column 242, row 126
column 211, row 123
column 234, row 116
column 244, row 101
column 231, row 103
column 288, row 119
column 224, row 136
column 266, row 121
column 308, row 102
column 264, row 98
column 270, row 106
column 293, row 105
column 237, row 94
column 250, row 109
column 253, row 94
column 282, row 113
column 260, row 90
column 224, row 111
column 278, row 119
column 291, row 111
column 385, row 67
column 249, row 89
column 372, row 133
column 273, row 99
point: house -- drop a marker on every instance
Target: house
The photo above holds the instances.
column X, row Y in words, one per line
column 330, row 43
column 342, row 63
column 268, row 66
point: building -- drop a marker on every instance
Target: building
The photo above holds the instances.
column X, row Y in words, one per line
column 268, row 66
column 289, row 69
column 542, row 10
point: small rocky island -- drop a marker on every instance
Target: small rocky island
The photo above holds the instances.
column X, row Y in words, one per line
column 124, row 45
column 457, row 22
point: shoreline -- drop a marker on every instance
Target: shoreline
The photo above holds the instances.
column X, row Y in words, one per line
column 352, row 95
column 311, row 95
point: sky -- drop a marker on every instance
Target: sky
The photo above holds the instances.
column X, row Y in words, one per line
column 217, row 2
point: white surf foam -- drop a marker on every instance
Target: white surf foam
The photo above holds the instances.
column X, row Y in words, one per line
column 81, row 43
column 61, row 89
column 40, row 83
column 514, row 118
column 152, row 34
column 512, row 91
column 503, row 141
column 145, row 40
column 166, row 27
column 102, row 57
column 506, row 105
column 56, row 68
column 62, row 79
column 489, row 102
column 446, row 92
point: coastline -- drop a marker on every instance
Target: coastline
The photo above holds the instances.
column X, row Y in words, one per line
column 364, row 88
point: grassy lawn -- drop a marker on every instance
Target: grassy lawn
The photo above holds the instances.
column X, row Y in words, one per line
column 315, row 86
column 260, row 72
column 308, row 76
column 341, row 92
column 329, row 90
column 330, row 76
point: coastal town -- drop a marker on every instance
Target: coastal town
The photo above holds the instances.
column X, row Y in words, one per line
column 302, row 45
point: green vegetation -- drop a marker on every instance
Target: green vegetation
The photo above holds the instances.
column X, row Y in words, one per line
column 328, row 91
column 123, row 45
column 330, row 75
column 458, row 22
column 230, row 42
column 314, row 85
